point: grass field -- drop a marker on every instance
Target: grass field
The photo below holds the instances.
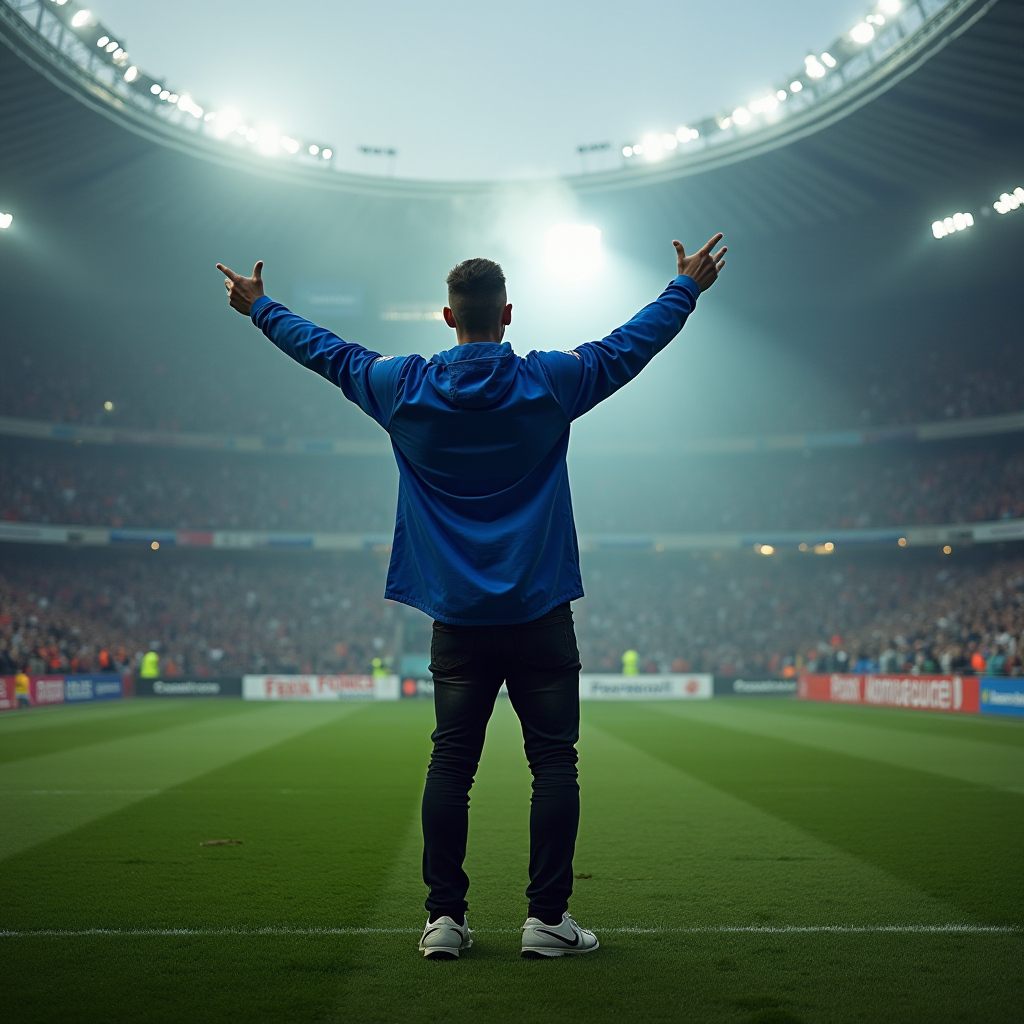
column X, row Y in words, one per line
column 741, row 860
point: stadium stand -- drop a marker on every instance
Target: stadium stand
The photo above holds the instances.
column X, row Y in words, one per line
column 907, row 485
column 216, row 615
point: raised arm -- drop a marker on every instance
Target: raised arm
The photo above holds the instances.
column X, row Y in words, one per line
column 365, row 377
column 592, row 372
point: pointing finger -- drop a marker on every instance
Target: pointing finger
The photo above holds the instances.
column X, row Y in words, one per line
column 227, row 272
column 710, row 244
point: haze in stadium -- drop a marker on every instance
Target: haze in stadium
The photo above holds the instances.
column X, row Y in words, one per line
column 256, row 625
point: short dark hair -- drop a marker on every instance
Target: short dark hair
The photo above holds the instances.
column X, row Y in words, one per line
column 476, row 294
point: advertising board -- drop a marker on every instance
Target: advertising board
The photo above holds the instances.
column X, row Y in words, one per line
column 600, row 686
column 46, row 690
column 731, row 686
column 320, row 688
column 917, row 693
column 8, row 693
column 78, row 689
column 1002, row 696
column 184, row 686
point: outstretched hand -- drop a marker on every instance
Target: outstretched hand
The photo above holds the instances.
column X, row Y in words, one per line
column 243, row 291
column 703, row 266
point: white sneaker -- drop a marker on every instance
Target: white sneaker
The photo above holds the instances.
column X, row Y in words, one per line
column 444, row 939
column 565, row 939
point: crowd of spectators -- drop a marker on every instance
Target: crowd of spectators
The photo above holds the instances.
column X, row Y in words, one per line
column 920, row 484
column 894, row 385
column 211, row 614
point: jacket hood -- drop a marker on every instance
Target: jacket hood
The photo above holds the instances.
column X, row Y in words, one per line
column 473, row 376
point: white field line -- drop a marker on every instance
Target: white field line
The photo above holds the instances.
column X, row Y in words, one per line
column 751, row 929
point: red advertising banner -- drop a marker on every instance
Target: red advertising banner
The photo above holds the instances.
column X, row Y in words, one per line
column 917, row 693
column 46, row 690
column 8, row 693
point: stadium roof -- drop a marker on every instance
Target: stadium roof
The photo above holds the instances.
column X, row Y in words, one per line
column 115, row 234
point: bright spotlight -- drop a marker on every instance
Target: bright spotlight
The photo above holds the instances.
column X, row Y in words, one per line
column 314, row 150
column 155, row 89
column 765, row 549
column 1009, row 201
column 796, row 86
column 131, row 74
column 109, row 406
column 948, row 225
column 6, row 219
column 572, row 252
column 102, row 41
column 741, row 116
column 862, row 33
column 327, row 154
column 889, row 6
column 814, row 67
column 653, row 149
column 81, row 18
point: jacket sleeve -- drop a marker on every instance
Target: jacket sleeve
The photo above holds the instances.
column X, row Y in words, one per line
column 365, row 377
column 590, row 373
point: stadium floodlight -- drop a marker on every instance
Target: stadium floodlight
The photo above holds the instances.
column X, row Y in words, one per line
column 314, row 150
column 741, row 116
column 796, row 86
column 949, row 225
column 764, row 549
column 782, row 95
column 669, row 141
column 572, row 252
column 828, row 60
column 889, row 6
column 1009, row 201
column 862, row 33
column 6, row 219
column 109, row 406
column 131, row 74
column 813, row 67
column 81, row 18
column 102, row 41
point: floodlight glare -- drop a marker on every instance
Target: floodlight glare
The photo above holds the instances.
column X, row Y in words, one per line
column 828, row 60
column 653, row 149
column 102, row 41
column 862, row 33
column 5, row 221
column 669, row 141
column 314, row 150
column 131, row 74
column 155, row 89
column 796, row 86
column 627, row 151
column 1009, row 201
column 948, row 225
column 572, row 252
column 782, row 95
column 813, row 67
column 889, row 6
column 327, row 154
column 741, row 115
column 81, row 18
column 111, row 46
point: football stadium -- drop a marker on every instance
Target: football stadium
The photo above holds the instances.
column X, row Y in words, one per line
column 249, row 638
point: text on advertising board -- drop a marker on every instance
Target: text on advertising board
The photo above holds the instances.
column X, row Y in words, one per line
column 917, row 693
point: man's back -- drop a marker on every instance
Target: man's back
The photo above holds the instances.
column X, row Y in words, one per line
column 484, row 531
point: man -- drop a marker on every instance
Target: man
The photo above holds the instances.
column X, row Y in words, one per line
column 485, row 544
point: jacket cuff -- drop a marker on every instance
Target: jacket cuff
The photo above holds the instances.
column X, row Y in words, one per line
column 689, row 284
column 258, row 305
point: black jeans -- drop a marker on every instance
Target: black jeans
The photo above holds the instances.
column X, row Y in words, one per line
column 540, row 664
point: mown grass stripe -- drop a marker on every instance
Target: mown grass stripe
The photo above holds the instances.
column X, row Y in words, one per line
column 725, row 929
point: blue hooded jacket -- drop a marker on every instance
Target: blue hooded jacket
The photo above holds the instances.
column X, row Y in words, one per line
column 484, row 533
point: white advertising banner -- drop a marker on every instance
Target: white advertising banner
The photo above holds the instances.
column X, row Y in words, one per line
column 320, row 687
column 646, row 687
